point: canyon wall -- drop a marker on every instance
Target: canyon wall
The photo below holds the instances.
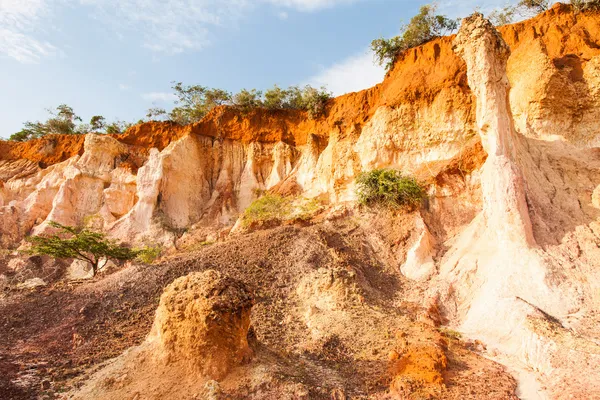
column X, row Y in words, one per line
column 501, row 126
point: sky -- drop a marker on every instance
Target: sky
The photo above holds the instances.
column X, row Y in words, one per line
column 118, row 58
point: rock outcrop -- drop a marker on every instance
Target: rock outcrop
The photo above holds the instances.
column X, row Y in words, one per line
column 203, row 321
column 504, row 286
column 501, row 125
column 199, row 335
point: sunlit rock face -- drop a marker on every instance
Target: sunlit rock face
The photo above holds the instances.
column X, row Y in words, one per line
column 501, row 126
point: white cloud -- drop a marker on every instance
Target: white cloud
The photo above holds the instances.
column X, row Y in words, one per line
column 124, row 87
column 355, row 73
column 167, row 26
column 161, row 97
column 309, row 5
column 18, row 19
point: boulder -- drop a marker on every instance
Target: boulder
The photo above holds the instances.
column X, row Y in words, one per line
column 203, row 321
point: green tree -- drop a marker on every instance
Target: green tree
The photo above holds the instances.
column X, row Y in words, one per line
column 422, row 28
column 97, row 123
column 248, row 99
column 194, row 102
column 81, row 244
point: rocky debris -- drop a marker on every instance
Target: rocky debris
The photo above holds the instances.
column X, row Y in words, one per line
column 80, row 269
column 203, row 321
column 32, row 283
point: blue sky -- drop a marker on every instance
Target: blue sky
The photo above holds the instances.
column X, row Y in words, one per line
column 117, row 58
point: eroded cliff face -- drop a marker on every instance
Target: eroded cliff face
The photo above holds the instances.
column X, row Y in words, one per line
column 501, row 126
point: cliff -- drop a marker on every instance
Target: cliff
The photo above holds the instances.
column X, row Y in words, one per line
column 500, row 125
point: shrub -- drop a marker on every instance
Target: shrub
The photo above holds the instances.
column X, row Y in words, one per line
column 270, row 207
column 148, row 255
column 388, row 188
column 82, row 244
column 275, row 208
column 422, row 28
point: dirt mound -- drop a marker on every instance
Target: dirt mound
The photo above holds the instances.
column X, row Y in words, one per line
column 203, row 319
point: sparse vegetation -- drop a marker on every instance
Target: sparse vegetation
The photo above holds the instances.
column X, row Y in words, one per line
column 148, row 255
column 272, row 207
column 64, row 121
column 388, row 188
column 421, row 29
column 586, row 5
column 450, row 333
column 537, row 6
column 503, row 16
column 195, row 101
column 81, row 244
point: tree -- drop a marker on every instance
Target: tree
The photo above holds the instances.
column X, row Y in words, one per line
column 194, row 102
column 117, row 127
column 62, row 121
column 537, row 6
column 503, row 16
column 156, row 114
column 586, row 5
column 81, row 244
column 422, row 28
column 248, row 99
column 97, row 123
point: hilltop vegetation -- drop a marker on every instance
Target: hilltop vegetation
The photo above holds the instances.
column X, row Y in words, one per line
column 192, row 104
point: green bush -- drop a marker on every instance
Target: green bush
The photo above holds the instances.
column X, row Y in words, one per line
column 148, row 255
column 270, row 207
column 422, row 28
column 309, row 99
column 388, row 188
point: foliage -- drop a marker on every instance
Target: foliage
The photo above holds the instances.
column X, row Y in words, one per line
column 306, row 209
column 148, row 255
column 64, row 121
column 272, row 207
column 536, row 6
column 97, row 123
column 388, row 188
column 117, row 127
column 308, row 98
column 195, row 101
column 267, row 208
column 82, row 244
column 450, row 333
column 314, row 101
column 422, row 28
column 502, row 16
column 586, row 5
column 248, row 99
column 156, row 114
